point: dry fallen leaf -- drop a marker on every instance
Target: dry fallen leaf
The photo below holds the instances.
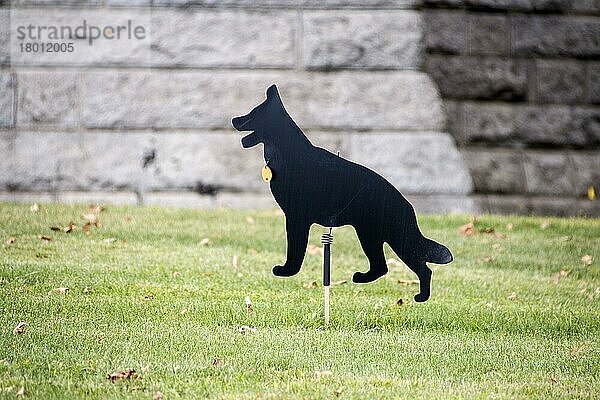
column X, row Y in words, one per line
column 34, row 207
column 487, row 259
column 566, row 238
column 176, row 274
column 87, row 289
column 312, row 249
column 468, row 229
column 408, row 281
column 249, row 220
column 44, row 237
column 158, row 396
column 247, row 330
column 10, row 241
column 311, row 284
column 248, row 304
column 69, row 228
column 91, row 219
column 509, row 226
column 321, row 374
column 217, row 362
column 87, row 228
column 234, row 262
column 512, row 296
column 60, row 290
column 338, row 392
column 109, row 240
column 586, row 260
column 487, row 229
column 145, row 368
column 21, row 392
column 338, row 283
column 129, row 373
column 591, row 193
column 205, row 242
column 553, row 380
column 252, row 252
column 149, row 297
column 20, row 328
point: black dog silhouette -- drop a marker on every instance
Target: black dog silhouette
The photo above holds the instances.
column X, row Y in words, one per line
column 312, row 185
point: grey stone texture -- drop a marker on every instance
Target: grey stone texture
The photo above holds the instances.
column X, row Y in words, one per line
column 496, row 171
column 556, row 36
column 488, row 122
column 46, row 161
column 489, row 34
column 178, row 37
column 522, row 6
column 527, row 124
column 478, row 78
column 232, row 38
column 536, row 125
column 209, row 99
column 522, row 100
column 445, row 31
column 213, row 162
column 549, row 173
column 47, row 99
column 587, row 167
column 6, row 99
column 310, row 4
column 378, row 40
column 4, row 36
column 585, row 125
column 101, row 52
column 409, row 164
column 6, row 156
column 594, row 83
column 515, row 82
column 560, row 81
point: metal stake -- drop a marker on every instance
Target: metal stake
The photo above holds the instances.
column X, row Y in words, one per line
column 327, row 240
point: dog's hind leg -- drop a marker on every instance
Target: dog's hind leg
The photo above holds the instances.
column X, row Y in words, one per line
column 417, row 264
column 424, row 273
column 297, row 239
column 372, row 245
column 414, row 257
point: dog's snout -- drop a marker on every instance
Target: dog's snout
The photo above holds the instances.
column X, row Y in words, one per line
column 239, row 122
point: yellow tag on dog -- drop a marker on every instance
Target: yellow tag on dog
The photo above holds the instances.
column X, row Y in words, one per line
column 267, row 174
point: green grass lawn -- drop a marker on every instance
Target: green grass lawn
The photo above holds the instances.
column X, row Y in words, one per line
column 146, row 292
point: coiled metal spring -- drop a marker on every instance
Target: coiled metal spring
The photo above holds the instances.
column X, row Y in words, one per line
column 327, row 238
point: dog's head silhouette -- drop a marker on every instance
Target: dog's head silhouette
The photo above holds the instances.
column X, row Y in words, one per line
column 268, row 122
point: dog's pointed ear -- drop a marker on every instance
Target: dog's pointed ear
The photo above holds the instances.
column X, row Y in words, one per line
column 272, row 93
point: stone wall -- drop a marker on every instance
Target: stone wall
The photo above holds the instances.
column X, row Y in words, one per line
column 521, row 82
column 393, row 84
column 148, row 121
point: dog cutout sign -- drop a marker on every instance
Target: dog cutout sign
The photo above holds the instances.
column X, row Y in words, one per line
column 315, row 186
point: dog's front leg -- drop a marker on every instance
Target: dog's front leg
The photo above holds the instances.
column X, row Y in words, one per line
column 297, row 239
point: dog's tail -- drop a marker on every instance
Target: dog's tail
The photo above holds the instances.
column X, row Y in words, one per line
column 436, row 253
